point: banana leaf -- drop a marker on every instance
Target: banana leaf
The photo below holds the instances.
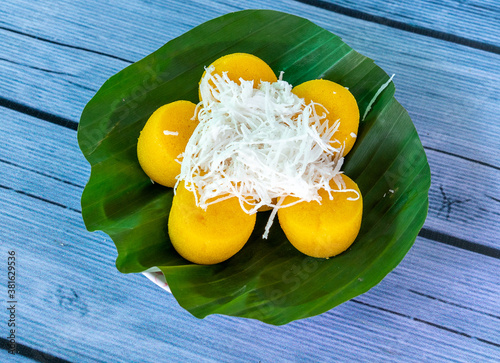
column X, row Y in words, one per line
column 268, row 280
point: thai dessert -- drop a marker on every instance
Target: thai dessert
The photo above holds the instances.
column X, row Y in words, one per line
column 255, row 143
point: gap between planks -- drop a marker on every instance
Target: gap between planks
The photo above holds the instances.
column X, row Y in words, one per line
column 454, row 331
column 428, row 32
column 32, row 353
column 65, row 44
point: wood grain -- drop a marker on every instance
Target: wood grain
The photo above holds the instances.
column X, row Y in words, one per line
column 80, row 286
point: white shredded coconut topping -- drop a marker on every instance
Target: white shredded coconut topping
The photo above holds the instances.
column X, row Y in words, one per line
column 259, row 145
column 173, row 133
column 353, row 134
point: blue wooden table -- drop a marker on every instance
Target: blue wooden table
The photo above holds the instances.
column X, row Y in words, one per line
column 442, row 303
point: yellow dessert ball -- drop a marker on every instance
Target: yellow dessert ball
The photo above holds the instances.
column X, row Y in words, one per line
column 163, row 139
column 245, row 66
column 339, row 103
column 326, row 229
column 211, row 236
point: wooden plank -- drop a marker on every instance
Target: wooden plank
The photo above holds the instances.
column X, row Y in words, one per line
column 47, row 163
column 51, row 78
column 77, row 24
column 477, row 21
column 74, row 296
column 450, row 91
column 463, row 199
column 412, row 291
column 41, row 159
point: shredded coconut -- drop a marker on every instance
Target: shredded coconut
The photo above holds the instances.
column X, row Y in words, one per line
column 375, row 96
column 172, row 133
column 259, row 145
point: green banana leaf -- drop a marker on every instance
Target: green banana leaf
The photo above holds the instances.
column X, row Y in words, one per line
column 268, row 280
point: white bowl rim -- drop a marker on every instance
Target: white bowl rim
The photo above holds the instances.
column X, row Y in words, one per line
column 155, row 275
